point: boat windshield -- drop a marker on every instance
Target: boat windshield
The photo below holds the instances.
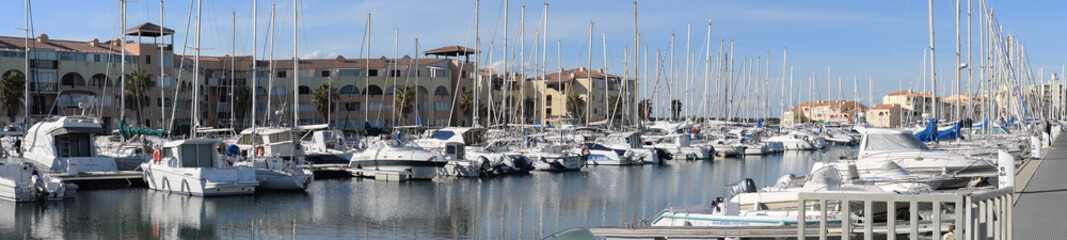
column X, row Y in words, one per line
column 246, row 139
column 197, row 155
column 894, row 141
column 443, row 135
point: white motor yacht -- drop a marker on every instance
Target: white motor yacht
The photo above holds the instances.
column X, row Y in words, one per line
column 193, row 167
column 64, row 145
column 391, row 156
column 21, row 182
column 880, row 147
column 550, row 156
column 791, row 140
column 680, row 149
column 631, row 141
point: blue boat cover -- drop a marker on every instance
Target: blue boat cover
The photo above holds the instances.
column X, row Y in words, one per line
column 928, row 134
column 233, row 150
column 951, row 133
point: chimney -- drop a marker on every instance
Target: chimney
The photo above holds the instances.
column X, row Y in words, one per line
column 94, row 42
column 42, row 38
column 340, row 58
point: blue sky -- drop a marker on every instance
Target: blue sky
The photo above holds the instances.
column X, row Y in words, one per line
column 879, row 39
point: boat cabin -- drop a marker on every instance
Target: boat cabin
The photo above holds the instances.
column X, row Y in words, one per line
column 275, row 141
column 192, row 153
column 630, row 139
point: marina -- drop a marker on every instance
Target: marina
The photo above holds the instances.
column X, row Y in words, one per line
column 215, row 129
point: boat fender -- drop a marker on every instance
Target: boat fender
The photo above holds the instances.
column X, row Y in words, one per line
column 157, row 155
column 805, row 138
column 259, row 151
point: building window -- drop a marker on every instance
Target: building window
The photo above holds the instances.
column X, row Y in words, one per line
column 548, row 100
column 353, row 106
column 349, row 90
column 394, row 73
column 148, row 60
column 440, row 91
column 442, row 106
column 324, row 73
column 372, row 73
column 348, row 73
column 548, row 111
column 374, row 106
column 280, row 74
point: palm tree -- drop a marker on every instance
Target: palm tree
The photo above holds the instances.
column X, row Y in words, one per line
column 404, row 101
column 528, row 109
column 614, row 108
column 11, row 91
column 323, row 97
column 466, row 101
column 137, row 85
column 242, row 102
column 643, row 108
column 676, row 108
column 576, row 106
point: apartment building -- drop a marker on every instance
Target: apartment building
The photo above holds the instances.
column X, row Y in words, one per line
column 830, row 111
column 365, row 88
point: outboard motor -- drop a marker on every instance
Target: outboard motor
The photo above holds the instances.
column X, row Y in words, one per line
column 744, row 186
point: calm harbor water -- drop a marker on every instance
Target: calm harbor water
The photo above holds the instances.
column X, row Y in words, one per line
column 512, row 207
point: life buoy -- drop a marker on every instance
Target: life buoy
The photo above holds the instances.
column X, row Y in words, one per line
column 259, row 151
column 157, row 155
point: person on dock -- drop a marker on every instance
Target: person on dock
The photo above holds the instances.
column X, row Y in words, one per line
column 951, row 234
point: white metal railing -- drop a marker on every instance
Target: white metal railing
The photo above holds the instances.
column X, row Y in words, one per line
column 983, row 215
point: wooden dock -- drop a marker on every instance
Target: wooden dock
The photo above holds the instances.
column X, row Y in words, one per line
column 117, row 179
column 329, row 171
column 379, row 175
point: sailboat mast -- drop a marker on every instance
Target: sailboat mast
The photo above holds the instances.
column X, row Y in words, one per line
column 296, row 65
column 933, row 70
column 233, row 64
column 589, row 75
column 122, row 61
column 604, row 38
column 688, row 38
column 707, row 70
column 670, row 83
column 270, row 59
column 781, row 108
column 544, row 69
column 957, row 68
column 507, row 9
column 477, row 69
column 255, row 71
column 522, row 70
column 637, row 68
column 162, row 73
column 366, row 74
column 196, row 72
column 26, row 76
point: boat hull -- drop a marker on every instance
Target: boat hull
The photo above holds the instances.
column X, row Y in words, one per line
column 191, row 181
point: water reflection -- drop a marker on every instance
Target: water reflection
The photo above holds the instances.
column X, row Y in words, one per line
column 515, row 207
